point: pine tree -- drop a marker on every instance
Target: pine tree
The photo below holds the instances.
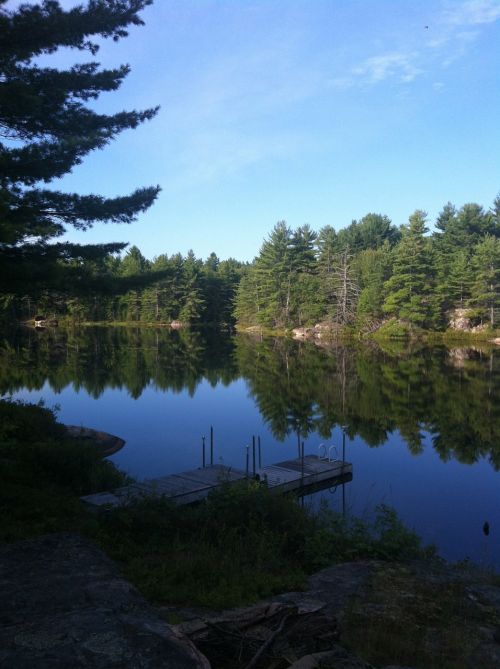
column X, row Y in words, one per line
column 193, row 304
column 459, row 279
column 273, row 272
column 134, row 264
column 49, row 127
column 486, row 288
column 372, row 266
column 408, row 291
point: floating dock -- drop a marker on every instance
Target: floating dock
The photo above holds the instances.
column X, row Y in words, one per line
column 300, row 475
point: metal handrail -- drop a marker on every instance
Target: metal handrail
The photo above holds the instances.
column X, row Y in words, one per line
column 334, row 448
column 322, row 452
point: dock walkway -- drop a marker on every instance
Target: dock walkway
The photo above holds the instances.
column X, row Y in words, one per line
column 298, row 474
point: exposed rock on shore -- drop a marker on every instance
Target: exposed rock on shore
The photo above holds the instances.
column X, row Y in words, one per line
column 64, row 604
column 361, row 615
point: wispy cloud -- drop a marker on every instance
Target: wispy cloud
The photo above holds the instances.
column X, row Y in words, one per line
column 472, row 13
column 232, row 113
column 378, row 68
column 450, row 34
column 210, row 155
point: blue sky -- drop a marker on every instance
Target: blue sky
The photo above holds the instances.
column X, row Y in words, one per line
column 309, row 111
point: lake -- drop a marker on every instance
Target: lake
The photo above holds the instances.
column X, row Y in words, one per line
column 421, row 425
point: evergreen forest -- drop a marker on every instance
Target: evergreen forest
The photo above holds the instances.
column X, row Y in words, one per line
column 360, row 277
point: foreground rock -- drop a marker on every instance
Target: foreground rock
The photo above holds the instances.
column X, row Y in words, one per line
column 64, row 604
column 297, row 629
column 361, row 615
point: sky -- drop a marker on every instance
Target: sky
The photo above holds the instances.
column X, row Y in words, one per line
column 309, row 111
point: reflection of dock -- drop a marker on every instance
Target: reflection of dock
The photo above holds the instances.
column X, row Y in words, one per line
column 300, row 475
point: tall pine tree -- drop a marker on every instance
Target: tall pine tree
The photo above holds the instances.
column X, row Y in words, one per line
column 409, row 290
column 48, row 127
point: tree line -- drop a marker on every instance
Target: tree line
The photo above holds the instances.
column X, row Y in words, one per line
column 359, row 277
column 134, row 289
column 373, row 270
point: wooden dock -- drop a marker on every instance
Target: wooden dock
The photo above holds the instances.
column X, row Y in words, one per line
column 298, row 475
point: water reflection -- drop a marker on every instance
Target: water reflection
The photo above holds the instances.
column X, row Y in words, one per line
column 299, row 389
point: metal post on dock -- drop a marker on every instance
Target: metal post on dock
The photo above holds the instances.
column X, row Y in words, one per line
column 343, row 463
column 248, row 458
column 260, row 458
column 302, row 461
column 253, row 455
column 211, row 445
column 203, row 451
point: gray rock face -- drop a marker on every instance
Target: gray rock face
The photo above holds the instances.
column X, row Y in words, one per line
column 334, row 587
column 64, row 604
column 337, row 658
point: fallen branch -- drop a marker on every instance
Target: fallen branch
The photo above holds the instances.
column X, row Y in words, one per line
column 268, row 642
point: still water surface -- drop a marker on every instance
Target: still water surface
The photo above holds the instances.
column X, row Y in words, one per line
column 422, row 425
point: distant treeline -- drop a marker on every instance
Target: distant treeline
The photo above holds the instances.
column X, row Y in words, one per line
column 132, row 288
column 358, row 277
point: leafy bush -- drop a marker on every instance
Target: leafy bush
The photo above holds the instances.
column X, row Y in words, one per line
column 394, row 329
column 338, row 538
column 36, row 450
column 243, row 543
column 21, row 422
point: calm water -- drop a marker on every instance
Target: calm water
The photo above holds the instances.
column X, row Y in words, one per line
column 422, row 426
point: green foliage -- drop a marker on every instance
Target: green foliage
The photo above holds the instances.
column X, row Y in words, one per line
column 485, row 293
column 371, row 232
column 393, row 329
column 343, row 538
column 134, row 289
column 352, row 278
column 21, row 422
column 281, row 288
column 409, row 288
column 244, row 543
column 370, row 268
column 43, row 471
column 239, row 546
column 38, row 452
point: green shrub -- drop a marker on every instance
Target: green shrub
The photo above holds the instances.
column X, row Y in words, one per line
column 394, row 329
column 21, row 422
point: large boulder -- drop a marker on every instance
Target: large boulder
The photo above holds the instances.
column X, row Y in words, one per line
column 64, row 604
column 459, row 319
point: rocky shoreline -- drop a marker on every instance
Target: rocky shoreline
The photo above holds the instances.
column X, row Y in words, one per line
column 65, row 604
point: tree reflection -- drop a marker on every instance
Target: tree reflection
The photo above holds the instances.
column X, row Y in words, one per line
column 299, row 388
